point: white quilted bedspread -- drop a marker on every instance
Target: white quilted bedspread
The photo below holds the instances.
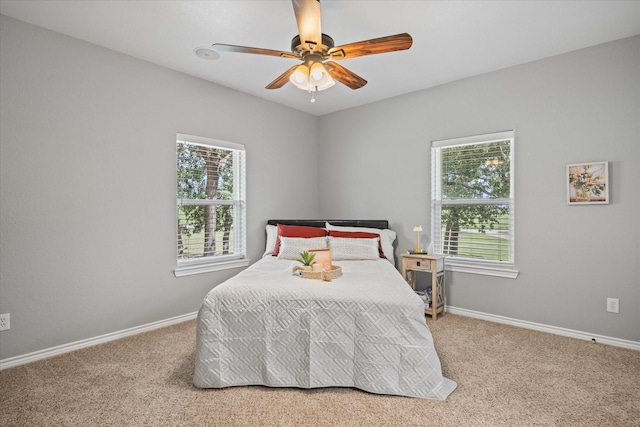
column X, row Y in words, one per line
column 365, row 329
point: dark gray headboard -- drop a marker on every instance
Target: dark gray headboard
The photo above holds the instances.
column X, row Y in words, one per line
column 371, row 223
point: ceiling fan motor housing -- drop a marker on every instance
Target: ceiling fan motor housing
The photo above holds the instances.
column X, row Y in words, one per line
column 300, row 48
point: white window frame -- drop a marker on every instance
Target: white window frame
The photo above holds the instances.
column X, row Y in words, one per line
column 238, row 258
column 505, row 269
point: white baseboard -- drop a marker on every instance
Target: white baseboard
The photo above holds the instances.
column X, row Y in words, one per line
column 617, row 342
column 65, row 348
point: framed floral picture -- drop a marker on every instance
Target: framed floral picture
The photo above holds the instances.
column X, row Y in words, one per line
column 588, row 183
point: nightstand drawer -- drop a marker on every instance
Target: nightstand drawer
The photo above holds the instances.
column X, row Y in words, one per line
column 417, row 264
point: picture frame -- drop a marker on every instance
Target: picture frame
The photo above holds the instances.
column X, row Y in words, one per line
column 588, row 183
column 323, row 257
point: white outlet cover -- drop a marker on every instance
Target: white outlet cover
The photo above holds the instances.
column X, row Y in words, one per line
column 5, row 322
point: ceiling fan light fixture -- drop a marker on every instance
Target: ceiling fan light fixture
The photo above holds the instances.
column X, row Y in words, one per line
column 311, row 79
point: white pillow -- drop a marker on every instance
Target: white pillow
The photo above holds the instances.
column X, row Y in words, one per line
column 291, row 247
column 350, row 248
column 272, row 235
column 387, row 237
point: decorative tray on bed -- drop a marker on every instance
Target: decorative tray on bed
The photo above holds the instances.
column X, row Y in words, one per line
column 326, row 275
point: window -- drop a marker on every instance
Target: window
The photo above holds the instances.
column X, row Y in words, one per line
column 472, row 203
column 210, row 205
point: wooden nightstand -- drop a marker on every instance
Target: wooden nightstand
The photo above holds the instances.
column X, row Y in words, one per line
column 434, row 264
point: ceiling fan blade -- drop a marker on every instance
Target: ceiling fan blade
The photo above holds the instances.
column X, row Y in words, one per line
column 221, row 47
column 344, row 76
column 282, row 79
column 371, row 47
column 309, row 21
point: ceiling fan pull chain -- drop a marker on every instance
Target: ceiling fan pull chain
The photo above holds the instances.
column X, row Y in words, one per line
column 313, row 95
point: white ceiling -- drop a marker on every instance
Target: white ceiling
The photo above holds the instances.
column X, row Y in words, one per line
column 452, row 39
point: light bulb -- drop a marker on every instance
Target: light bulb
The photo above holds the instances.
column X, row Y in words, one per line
column 318, row 72
column 300, row 77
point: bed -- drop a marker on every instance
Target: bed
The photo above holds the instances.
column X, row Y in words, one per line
column 366, row 329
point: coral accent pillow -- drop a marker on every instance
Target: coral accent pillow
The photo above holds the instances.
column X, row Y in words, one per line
column 358, row 235
column 297, row 231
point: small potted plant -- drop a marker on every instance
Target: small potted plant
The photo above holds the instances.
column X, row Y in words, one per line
column 306, row 259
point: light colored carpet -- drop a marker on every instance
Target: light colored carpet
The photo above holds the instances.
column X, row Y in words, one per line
column 506, row 376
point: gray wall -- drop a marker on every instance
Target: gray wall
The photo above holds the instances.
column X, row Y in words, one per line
column 580, row 106
column 87, row 149
column 87, row 154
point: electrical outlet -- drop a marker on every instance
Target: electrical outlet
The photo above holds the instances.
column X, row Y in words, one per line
column 613, row 305
column 4, row 322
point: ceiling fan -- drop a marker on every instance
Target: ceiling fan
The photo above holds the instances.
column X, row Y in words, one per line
column 318, row 53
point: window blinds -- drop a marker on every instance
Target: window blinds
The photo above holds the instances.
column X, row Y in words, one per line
column 472, row 197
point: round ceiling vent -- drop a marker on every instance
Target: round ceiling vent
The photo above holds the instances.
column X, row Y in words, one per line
column 206, row 53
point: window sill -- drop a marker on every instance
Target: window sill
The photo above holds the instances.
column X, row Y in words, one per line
column 507, row 271
column 198, row 268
